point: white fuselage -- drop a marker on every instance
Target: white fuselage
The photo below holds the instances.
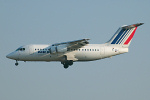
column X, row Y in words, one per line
column 89, row 52
column 77, row 50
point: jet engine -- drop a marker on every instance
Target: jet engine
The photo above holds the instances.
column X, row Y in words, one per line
column 58, row 49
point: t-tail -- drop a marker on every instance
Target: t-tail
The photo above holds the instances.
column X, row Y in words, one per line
column 124, row 35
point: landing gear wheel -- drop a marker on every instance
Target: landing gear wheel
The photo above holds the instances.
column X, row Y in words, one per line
column 66, row 66
column 16, row 63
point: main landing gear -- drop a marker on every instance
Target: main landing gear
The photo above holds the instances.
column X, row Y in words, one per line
column 16, row 63
column 67, row 63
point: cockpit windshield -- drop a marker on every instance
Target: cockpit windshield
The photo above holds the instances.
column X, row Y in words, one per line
column 20, row 49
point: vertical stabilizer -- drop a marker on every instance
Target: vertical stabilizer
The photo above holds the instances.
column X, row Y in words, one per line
column 124, row 35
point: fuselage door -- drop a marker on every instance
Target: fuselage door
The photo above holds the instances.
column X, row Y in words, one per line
column 31, row 50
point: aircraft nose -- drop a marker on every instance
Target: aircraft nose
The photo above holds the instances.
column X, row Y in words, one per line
column 8, row 56
column 12, row 55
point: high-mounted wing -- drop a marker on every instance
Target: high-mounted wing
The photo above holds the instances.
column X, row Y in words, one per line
column 74, row 44
column 64, row 46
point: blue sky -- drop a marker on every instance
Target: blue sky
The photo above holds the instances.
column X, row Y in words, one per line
column 123, row 77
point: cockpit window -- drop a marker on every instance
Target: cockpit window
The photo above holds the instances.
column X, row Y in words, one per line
column 20, row 49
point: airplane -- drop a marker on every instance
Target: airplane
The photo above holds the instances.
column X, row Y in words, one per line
column 78, row 50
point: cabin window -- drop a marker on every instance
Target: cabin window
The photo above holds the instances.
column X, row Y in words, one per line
column 48, row 51
column 87, row 49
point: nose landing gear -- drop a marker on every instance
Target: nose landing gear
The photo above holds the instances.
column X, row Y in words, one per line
column 16, row 63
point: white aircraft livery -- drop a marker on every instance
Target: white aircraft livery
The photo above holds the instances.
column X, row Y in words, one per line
column 77, row 50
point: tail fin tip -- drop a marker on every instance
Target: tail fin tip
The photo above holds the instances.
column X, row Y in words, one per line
column 132, row 26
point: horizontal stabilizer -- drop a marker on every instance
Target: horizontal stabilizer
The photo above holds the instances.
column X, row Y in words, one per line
column 132, row 26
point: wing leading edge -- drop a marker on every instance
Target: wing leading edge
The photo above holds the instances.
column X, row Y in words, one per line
column 74, row 44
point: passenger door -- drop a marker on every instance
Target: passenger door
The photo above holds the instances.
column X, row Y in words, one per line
column 31, row 50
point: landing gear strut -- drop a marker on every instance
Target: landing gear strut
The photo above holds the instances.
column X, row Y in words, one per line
column 67, row 63
column 16, row 63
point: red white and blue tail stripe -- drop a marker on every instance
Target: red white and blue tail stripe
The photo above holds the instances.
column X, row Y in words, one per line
column 124, row 34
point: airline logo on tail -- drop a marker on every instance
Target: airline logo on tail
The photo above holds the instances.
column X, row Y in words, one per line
column 124, row 34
